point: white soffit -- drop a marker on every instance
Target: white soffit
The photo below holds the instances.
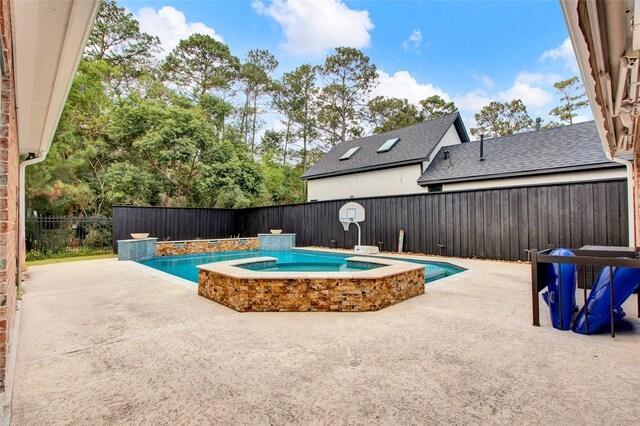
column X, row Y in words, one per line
column 48, row 41
column 612, row 35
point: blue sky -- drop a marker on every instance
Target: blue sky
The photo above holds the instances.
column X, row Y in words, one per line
column 469, row 52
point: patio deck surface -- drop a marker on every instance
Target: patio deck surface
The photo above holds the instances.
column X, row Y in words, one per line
column 108, row 342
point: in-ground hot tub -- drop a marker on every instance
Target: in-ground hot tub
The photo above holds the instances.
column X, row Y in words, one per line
column 259, row 284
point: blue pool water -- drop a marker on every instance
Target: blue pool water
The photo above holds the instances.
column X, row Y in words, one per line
column 185, row 266
column 310, row 267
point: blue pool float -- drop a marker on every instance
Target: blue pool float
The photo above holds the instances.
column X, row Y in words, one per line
column 625, row 282
column 550, row 274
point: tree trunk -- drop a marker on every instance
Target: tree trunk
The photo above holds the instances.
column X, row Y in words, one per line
column 244, row 117
column 286, row 143
column 253, row 127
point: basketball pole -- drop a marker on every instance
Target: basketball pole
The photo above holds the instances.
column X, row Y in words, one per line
column 359, row 233
column 349, row 222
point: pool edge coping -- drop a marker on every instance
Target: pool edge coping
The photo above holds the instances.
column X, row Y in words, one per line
column 230, row 268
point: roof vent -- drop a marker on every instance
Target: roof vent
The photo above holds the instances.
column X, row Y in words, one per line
column 388, row 145
column 446, row 155
column 349, row 153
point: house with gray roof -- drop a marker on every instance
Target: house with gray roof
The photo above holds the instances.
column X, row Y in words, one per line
column 436, row 155
column 563, row 154
column 387, row 163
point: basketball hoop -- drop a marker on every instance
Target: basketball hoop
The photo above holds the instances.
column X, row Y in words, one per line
column 351, row 213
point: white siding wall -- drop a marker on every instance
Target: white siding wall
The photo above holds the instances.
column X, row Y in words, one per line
column 595, row 175
column 449, row 138
column 398, row 180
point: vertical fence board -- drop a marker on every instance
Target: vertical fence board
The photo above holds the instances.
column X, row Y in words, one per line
column 492, row 223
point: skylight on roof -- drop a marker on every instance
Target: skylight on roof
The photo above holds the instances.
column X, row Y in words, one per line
column 349, row 153
column 388, row 145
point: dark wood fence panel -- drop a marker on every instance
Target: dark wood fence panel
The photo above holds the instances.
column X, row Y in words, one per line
column 493, row 224
column 173, row 223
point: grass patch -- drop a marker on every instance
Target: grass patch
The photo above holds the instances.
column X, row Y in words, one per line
column 70, row 259
column 78, row 252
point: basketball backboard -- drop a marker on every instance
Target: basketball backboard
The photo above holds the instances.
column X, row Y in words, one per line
column 351, row 212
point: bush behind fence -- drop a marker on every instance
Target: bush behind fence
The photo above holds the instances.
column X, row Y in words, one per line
column 51, row 235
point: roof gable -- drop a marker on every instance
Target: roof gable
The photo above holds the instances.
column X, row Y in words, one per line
column 415, row 143
column 571, row 147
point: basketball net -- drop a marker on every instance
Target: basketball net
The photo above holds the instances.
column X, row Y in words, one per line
column 346, row 223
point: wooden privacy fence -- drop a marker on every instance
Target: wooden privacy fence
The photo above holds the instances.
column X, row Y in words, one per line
column 173, row 223
column 492, row 224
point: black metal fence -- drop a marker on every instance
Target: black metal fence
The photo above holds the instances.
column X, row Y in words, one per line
column 54, row 234
column 490, row 223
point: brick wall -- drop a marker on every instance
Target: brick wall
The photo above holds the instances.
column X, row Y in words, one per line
column 9, row 158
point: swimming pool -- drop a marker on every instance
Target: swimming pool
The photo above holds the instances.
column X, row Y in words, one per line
column 287, row 260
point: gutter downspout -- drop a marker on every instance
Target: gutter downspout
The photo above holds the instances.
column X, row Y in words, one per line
column 22, row 208
column 631, row 197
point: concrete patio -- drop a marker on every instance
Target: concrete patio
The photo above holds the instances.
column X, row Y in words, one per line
column 107, row 342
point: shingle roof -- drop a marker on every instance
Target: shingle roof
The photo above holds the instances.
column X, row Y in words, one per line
column 565, row 148
column 415, row 144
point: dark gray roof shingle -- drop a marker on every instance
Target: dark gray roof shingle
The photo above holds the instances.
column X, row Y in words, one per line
column 572, row 147
column 416, row 143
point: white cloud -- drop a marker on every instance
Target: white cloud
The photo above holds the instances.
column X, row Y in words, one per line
column 484, row 79
column 170, row 26
column 533, row 97
column 413, row 42
column 530, row 78
column 526, row 87
column 311, row 28
column 403, row 85
column 473, row 101
column 581, row 118
column 563, row 52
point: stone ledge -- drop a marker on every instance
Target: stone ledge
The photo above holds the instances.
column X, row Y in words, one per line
column 354, row 291
column 169, row 248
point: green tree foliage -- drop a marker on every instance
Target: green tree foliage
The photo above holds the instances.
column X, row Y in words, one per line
column 80, row 153
column 386, row 114
column 172, row 138
column 129, row 184
column 185, row 131
column 116, row 39
column 572, row 98
column 255, row 82
column 217, row 110
column 348, row 78
column 502, row 119
column 282, row 184
column 200, row 64
column 295, row 99
column 435, row 107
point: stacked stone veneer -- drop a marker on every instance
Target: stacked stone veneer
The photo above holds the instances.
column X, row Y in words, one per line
column 173, row 248
column 310, row 294
column 9, row 158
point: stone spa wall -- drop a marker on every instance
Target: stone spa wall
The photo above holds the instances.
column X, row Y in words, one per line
column 310, row 294
column 175, row 248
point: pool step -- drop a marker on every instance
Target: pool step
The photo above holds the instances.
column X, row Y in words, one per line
column 432, row 273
